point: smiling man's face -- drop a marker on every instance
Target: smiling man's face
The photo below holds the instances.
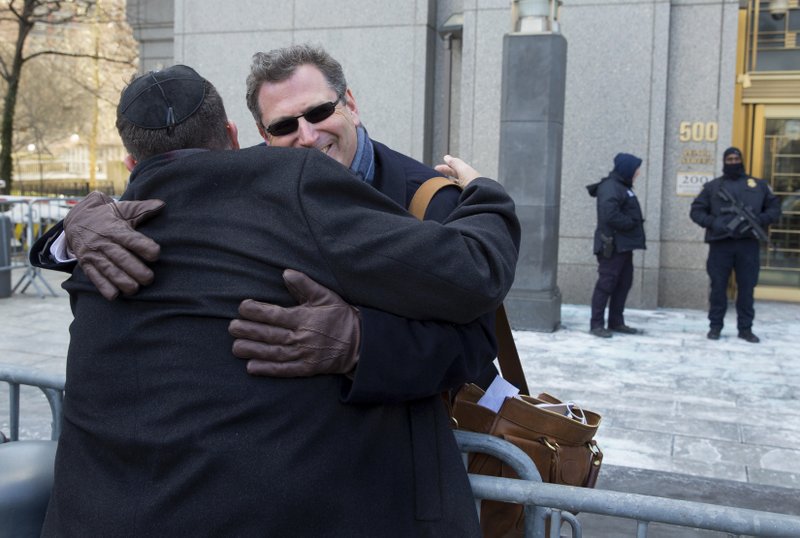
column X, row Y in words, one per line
column 304, row 90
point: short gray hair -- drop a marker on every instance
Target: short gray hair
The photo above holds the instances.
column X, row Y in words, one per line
column 278, row 65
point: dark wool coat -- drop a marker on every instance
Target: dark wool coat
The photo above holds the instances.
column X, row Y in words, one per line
column 164, row 431
column 400, row 359
column 754, row 193
column 403, row 359
column 618, row 214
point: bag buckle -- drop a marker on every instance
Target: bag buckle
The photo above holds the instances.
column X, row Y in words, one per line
column 595, row 452
column 552, row 446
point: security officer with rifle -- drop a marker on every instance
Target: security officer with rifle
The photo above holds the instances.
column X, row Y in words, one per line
column 736, row 211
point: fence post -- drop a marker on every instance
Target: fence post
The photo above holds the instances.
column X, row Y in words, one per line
column 6, row 231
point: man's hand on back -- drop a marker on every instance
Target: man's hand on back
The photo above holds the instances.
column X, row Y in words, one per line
column 321, row 335
column 100, row 232
column 461, row 173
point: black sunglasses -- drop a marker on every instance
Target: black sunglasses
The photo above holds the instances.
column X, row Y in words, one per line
column 315, row 115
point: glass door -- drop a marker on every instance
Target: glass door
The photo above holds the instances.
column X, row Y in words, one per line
column 776, row 158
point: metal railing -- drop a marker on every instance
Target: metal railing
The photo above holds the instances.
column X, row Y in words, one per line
column 52, row 385
column 542, row 501
column 26, row 219
column 556, row 501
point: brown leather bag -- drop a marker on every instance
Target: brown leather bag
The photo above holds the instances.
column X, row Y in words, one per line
column 562, row 448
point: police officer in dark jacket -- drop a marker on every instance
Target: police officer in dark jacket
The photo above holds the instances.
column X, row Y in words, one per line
column 620, row 231
column 732, row 240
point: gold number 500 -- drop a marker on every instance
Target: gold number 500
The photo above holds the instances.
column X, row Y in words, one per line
column 698, row 131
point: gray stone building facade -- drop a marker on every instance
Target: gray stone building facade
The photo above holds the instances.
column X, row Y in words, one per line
column 427, row 79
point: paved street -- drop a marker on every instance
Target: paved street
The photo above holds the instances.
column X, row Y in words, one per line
column 34, row 332
column 673, row 402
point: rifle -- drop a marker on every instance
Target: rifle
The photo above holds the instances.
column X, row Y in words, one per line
column 742, row 215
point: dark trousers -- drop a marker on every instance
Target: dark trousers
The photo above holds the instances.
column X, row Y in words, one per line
column 614, row 281
column 742, row 256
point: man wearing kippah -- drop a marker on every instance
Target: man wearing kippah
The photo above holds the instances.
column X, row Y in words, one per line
column 620, row 231
column 733, row 242
column 164, row 434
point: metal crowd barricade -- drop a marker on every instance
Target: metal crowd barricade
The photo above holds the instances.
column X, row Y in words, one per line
column 29, row 218
column 550, row 501
column 51, row 385
column 26, row 467
column 541, row 500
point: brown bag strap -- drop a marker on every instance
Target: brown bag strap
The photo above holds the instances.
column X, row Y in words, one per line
column 425, row 193
column 507, row 355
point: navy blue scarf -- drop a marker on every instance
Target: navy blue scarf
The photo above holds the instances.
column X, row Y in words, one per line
column 363, row 164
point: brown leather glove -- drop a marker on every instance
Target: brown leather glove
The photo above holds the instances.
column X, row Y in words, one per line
column 101, row 234
column 321, row 335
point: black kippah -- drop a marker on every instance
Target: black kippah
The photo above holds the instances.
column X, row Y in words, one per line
column 163, row 99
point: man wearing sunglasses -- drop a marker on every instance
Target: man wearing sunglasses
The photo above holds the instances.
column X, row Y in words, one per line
column 299, row 97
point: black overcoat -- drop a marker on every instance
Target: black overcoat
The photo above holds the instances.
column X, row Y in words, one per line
column 404, row 359
column 619, row 214
column 164, row 431
column 400, row 359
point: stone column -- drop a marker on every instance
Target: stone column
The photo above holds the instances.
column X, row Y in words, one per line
column 531, row 132
column 153, row 24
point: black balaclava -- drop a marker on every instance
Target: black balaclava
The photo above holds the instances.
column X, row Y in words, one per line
column 733, row 171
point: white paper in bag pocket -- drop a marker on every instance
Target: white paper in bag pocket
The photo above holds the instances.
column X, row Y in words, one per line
column 498, row 391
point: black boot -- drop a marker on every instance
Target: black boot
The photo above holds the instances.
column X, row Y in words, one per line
column 748, row 335
column 601, row 332
column 624, row 329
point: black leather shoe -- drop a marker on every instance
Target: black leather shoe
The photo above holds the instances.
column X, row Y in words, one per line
column 624, row 329
column 601, row 332
column 713, row 334
column 749, row 336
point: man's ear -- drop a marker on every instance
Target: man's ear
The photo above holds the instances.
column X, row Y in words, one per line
column 233, row 134
column 263, row 132
column 130, row 162
column 350, row 103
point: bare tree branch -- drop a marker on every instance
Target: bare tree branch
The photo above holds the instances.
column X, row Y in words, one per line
column 81, row 84
column 77, row 55
column 4, row 69
column 13, row 10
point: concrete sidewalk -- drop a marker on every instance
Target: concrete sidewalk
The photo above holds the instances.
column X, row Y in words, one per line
column 674, row 401
column 677, row 408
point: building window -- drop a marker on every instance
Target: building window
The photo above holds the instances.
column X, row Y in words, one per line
column 774, row 27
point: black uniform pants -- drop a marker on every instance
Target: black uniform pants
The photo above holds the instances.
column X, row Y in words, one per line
column 614, row 281
column 741, row 255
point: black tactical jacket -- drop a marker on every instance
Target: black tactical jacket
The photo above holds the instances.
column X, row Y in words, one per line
column 618, row 214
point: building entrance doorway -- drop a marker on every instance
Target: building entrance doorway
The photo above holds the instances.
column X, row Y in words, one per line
column 776, row 158
column 767, row 125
